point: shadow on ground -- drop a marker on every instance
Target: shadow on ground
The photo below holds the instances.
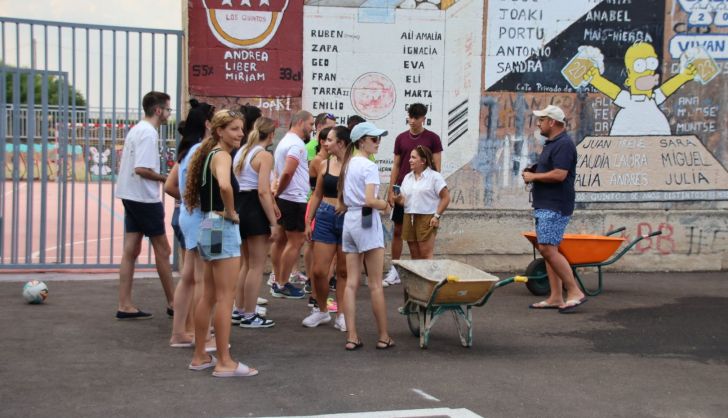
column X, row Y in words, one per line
column 667, row 330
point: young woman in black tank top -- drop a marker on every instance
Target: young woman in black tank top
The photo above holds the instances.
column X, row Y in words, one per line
column 213, row 163
column 326, row 236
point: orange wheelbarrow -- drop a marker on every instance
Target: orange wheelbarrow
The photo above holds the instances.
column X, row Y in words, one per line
column 580, row 250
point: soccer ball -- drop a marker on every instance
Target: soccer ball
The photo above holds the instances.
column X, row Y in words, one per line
column 35, row 292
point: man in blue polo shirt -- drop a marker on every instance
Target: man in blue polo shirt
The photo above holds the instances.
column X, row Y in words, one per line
column 553, row 203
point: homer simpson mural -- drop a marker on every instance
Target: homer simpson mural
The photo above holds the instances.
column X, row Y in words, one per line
column 638, row 103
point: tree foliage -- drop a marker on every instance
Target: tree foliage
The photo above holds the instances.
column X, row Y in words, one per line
column 56, row 88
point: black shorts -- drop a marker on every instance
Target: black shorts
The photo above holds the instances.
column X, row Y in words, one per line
column 252, row 216
column 176, row 228
column 398, row 214
column 293, row 215
column 147, row 218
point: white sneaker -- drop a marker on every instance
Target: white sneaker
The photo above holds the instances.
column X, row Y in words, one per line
column 340, row 323
column 262, row 301
column 392, row 278
column 297, row 277
column 316, row 318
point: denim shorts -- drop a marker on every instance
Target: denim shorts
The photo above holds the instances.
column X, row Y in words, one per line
column 189, row 223
column 550, row 226
column 230, row 240
column 329, row 225
column 176, row 228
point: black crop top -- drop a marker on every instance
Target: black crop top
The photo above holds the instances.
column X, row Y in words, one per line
column 217, row 203
column 331, row 183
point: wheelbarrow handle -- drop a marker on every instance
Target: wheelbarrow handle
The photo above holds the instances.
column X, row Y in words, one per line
column 499, row 283
column 615, row 231
column 654, row 234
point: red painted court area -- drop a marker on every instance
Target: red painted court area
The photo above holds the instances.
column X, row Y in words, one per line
column 85, row 230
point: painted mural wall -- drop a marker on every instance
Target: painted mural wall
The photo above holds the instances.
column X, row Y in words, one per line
column 643, row 84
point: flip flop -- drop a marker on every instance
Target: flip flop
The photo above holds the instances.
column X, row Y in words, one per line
column 571, row 305
column 387, row 344
column 182, row 345
column 356, row 345
column 204, row 366
column 542, row 305
column 241, row 371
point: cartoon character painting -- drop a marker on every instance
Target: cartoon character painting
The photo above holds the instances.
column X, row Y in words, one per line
column 639, row 113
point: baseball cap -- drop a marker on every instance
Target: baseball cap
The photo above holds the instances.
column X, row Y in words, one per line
column 366, row 129
column 551, row 111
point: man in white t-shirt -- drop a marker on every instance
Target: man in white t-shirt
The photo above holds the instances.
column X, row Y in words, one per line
column 138, row 187
column 291, row 168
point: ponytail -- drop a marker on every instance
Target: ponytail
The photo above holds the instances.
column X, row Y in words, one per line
column 350, row 148
column 263, row 128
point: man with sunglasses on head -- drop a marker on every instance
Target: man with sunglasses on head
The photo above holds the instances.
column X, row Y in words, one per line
column 322, row 121
column 553, row 203
column 403, row 146
column 138, row 186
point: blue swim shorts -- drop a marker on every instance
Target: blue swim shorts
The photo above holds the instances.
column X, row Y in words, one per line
column 550, row 226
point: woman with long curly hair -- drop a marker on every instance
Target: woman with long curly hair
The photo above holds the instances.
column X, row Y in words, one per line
column 211, row 186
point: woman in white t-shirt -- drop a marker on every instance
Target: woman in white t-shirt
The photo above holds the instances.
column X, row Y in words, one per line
column 425, row 197
column 362, row 232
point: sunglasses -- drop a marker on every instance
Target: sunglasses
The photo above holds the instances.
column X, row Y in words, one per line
column 374, row 139
column 330, row 116
column 235, row 113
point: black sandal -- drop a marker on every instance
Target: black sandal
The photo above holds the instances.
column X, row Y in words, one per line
column 355, row 345
column 387, row 344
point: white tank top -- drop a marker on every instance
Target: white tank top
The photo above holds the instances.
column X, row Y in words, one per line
column 248, row 178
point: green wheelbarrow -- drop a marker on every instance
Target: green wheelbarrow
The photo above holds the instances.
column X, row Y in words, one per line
column 435, row 287
column 581, row 251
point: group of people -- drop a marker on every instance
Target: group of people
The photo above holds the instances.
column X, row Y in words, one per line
column 239, row 203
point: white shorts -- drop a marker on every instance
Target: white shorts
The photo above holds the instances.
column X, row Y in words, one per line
column 359, row 240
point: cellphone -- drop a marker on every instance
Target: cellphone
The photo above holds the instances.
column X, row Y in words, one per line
column 216, row 241
column 366, row 217
column 531, row 168
column 395, row 189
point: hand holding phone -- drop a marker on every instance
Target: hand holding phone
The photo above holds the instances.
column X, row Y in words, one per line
column 396, row 189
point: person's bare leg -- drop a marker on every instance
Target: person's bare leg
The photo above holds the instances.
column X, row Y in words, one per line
column 224, row 273
column 562, row 269
column 199, row 282
column 290, row 254
column 426, row 248
column 341, row 276
column 258, row 247
column 323, row 254
column 353, row 273
column 397, row 242
column 275, row 256
column 182, row 301
column 555, row 283
column 308, row 257
column 162, row 251
column 242, row 274
column 202, row 317
column 374, row 260
column 414, row 248
column 132, row 248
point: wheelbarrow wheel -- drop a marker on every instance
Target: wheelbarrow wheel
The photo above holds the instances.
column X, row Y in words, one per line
column 413, row 319
column 537, row 268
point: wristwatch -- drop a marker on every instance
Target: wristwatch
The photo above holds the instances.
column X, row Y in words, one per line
column 437, row 216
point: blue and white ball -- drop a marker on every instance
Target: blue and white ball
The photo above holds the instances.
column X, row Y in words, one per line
column 35, row 292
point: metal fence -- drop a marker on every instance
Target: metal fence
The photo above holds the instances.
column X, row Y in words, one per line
column 68, row 96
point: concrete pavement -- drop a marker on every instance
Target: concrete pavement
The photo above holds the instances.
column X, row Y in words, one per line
column 653, row 345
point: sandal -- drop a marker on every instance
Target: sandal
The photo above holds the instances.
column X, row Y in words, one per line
column 353, row 345
column 387, row 344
